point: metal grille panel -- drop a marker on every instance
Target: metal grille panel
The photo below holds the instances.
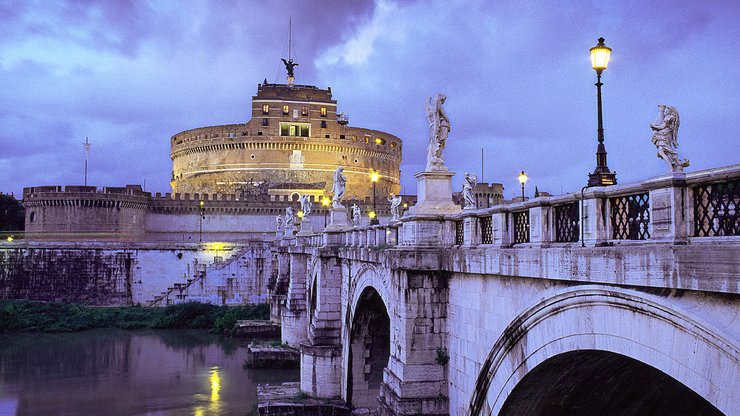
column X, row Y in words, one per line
column 630, row 217
column 567, row 223
column 716, row 209
column 486, row 230
column 459, row 233
column 521, row 227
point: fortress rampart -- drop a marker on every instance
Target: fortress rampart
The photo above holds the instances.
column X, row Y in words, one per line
column 131, row 214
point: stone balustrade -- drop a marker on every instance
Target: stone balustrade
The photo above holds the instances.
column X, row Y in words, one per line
column 669, row 209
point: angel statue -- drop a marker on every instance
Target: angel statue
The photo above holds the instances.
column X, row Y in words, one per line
column 340, row 184
column 665, row 137
column 289, row 66
column 279, row 221
column 439, row 129
column 288, row 218
column 468, row 185
column 305, row 205
column 395, row 201
column 355, row 214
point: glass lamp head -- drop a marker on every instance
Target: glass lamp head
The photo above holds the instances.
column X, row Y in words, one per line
column 371, row 214
column 523, row 178
column 325, row 201
column 600, row 56
column 374, row 177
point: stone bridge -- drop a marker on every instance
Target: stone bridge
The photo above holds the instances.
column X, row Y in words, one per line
column 619, row 300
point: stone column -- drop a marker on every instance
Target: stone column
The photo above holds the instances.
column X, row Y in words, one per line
column 294, row 317
column 416, row 377
column 321, row 362
column 594, row 218
column 471, row 232
column 670, row 209
column 541, row 225
column 502, row 223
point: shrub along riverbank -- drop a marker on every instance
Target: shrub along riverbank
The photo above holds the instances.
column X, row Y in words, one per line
column 30, row 316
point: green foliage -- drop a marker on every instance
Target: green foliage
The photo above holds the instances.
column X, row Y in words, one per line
column 12, row 214
column 302, row 395
column 442, row 357
column 29, row 316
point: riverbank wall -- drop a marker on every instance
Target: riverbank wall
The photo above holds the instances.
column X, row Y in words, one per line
column 125, row 273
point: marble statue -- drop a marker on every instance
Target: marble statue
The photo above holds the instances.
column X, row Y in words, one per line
column 279, row 221
column 305, row 205
column 340, row 183
column 355, row 214
column 439, row 129
column 288, row 218
column 468, row 185
column 665, row 137
column 289, row 65
column 395, row 201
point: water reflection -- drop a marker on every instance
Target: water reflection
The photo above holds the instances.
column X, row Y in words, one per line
column 111, row 372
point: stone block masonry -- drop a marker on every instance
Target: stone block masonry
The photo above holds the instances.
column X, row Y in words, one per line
column 120, row 274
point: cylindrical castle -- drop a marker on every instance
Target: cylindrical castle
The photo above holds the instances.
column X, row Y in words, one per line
column 292, row 145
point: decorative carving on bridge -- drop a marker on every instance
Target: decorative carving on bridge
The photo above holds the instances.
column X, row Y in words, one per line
column 356, row 215
column 665, row 137
column 288, row 219
column 439, row 129
column 305, row 205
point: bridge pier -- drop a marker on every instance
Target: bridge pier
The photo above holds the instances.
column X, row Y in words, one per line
column 294, row 316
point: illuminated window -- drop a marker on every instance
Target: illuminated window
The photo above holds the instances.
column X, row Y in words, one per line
column 393, row 145
column 304, row 110
column 286, row 110
column 295, row 129
column 323, row 111
column 379, row 141
column 265, row 109
column 367, row 139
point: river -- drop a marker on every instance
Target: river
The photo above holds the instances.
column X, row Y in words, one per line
column 117, row 372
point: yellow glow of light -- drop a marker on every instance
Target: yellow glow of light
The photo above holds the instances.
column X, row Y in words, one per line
column 215, row 246
column 405, row 205
column 325, row 201
column 387, row 232
column 215, row 385
column 198, row 411
column 374, row 176
column 10, row 238
column 201, row 204
column 300, row 214
column 371, row 214
column 523, row 178
column 600, row 55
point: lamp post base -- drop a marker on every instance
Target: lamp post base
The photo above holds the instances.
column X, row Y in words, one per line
column 602, row 178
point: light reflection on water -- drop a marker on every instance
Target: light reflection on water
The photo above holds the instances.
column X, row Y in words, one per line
column 113, row 372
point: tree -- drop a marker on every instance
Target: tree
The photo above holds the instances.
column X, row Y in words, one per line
column 12, row 214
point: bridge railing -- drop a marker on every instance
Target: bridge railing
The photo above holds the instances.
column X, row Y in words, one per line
column 670, row 208
column 673, row 209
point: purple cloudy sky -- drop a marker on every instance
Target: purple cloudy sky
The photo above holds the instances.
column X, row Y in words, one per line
column 517, row 75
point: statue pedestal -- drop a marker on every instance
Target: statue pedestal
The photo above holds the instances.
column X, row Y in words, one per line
column 338, row 220
column 306, row 226
column 434, row 191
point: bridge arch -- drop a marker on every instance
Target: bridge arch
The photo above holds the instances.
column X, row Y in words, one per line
column 597, row 325
column 368, row 338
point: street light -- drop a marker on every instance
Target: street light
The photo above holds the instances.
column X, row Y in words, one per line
column 202, row 217
column 523, row 179
column 601, row 176
column 373, row 217
column 325, row 203
column 374, row 178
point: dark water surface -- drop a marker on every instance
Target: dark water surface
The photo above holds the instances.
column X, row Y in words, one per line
column 116, row 372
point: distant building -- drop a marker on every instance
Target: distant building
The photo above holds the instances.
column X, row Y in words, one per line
column 486, row 195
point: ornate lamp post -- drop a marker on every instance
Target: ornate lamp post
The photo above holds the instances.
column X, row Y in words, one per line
column 523, row 179
column 325, row 203
column 374, row 178
column 202, row 217
column 601, row 176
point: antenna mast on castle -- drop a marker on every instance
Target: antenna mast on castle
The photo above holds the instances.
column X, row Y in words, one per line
column 86, row 145
column 289, row 64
